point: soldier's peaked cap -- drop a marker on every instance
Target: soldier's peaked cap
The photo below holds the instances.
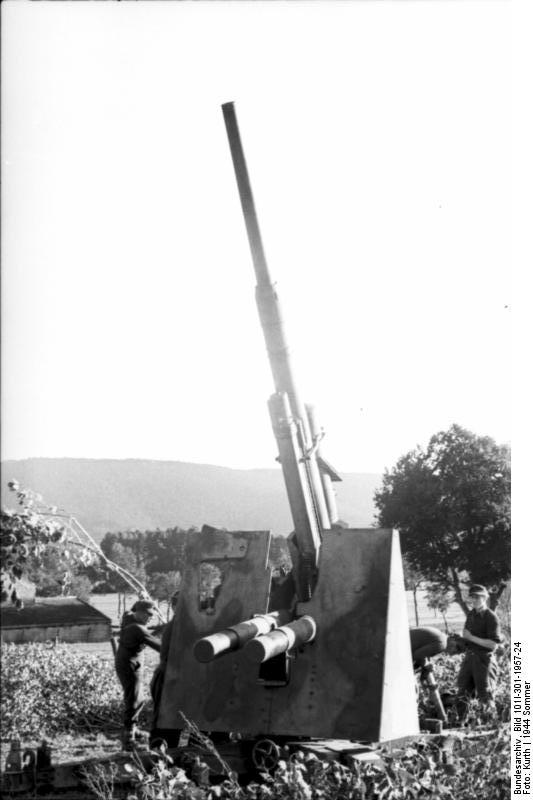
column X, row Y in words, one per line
column 145, row 605
column 478, row 589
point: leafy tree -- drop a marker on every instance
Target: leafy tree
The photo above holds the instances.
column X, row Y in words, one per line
column 154, row 551
column 125, row 558
column 504, row 612
column 413, row 580
column 451, row 504
column 55, row 572
column 25, row 535
column 165, row 550
column 32, row 533
column 162, row 585
column 439, row 598
column 81, row 587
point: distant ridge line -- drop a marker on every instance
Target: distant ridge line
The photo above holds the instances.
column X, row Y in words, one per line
column 146, row 494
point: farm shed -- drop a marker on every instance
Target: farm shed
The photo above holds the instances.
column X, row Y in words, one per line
column 65, row 619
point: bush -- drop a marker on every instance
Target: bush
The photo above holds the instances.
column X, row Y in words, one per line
column 49, row 689
column 410, row 773
column 446, row 669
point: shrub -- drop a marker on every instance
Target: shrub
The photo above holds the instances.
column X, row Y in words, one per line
column 410, row 773
column 49, row 689
column 446, row 669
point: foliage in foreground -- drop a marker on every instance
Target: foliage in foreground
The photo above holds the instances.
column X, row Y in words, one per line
column 476, row 715
column 49, row 689
column 25, row 533
column 477, row 768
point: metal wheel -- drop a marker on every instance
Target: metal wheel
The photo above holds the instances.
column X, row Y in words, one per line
column 265, row 754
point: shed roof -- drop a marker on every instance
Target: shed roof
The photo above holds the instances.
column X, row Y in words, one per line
column 51, row 611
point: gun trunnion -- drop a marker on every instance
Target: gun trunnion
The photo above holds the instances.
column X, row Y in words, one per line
column 321, row 652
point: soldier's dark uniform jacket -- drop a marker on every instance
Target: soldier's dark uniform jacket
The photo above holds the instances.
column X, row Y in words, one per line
column 133, row 639
column 477, row 673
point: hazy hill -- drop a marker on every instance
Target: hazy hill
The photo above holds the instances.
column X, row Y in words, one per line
column 112, row 495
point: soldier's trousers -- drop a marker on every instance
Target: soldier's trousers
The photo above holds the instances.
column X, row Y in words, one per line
column 130, row 676
column 477, row 676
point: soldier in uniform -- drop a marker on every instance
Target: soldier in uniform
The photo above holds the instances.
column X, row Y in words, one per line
column 481, row 636
column 426, row 642
column 134, row 637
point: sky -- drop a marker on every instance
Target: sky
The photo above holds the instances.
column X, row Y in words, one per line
column 378, row 139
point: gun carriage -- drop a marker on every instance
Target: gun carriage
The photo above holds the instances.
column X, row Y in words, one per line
column 322, row 652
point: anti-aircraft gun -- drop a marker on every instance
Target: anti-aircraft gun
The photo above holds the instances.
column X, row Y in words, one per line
column 322, row 652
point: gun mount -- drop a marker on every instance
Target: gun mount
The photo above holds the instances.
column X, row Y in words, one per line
column 323, row 652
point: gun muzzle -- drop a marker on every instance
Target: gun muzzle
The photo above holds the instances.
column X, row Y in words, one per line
column 236, row 636
column 266, row 646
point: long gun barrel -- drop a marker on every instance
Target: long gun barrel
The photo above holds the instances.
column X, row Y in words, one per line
column 296, row 444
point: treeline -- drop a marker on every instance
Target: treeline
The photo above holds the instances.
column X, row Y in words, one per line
column 144, row 554
column 155, row 558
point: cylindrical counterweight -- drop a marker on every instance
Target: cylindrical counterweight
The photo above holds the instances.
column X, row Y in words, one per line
column 234, row 637
column 280, row 640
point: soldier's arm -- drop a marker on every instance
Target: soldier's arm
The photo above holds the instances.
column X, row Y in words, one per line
column 493, row 630
column 466, row 633
column 488, row 644
column 151, row 641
